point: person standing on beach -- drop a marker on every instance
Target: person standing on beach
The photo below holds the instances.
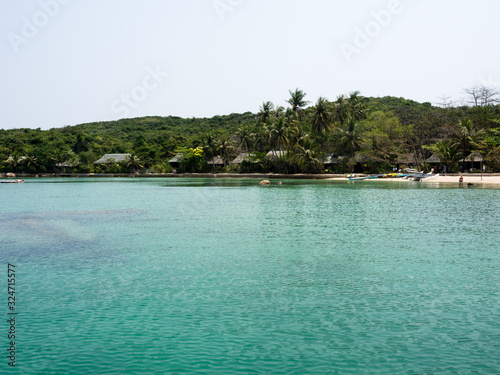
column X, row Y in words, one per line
column 461, row 180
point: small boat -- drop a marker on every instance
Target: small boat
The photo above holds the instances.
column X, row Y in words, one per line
column 12, row 181
column 363, row 178
column 420, row 176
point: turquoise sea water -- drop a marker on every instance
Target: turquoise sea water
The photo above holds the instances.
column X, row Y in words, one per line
column 192, row 276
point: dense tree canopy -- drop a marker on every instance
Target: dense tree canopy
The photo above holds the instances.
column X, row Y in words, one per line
column 369, row 134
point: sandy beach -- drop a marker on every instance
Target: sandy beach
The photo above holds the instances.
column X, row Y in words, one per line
column 450, row 179
column 468, row 179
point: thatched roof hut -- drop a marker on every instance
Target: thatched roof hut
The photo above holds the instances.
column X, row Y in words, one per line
column 331, row 159
column 216, row 160
column 433, row 159
column 243, row 156
column 113, row 158
column 406, row 159
column 176, row 159
column 474, row 157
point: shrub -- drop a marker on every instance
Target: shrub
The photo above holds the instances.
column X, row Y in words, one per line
column 492, row 160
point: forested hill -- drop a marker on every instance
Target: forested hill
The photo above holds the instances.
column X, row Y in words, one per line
column 379, row 128
column 129, row 129
column 120, row 134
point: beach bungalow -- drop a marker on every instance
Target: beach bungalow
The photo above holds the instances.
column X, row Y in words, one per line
column 406, row 160
column 473, row 161
column 176, row 161
column 66, row 167
column 108, row 159
column 331, row 160
column 243, row 156
column 433, row 160
column 216, row 160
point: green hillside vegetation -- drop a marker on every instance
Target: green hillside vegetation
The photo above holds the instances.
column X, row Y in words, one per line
column 350, row 133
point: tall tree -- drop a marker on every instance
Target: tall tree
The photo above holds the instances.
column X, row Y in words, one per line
column 265, row 112
column 466, row 138
column 244, row 135
column 321, row 117
column 278, row 111
column 297, row 136
column 307, row 160
column 447, row 152
column 278, row 133
column 225, row 148
column 209, row 146
column 350, row 138
column 481, row 95
column 341, row 111
column 356, row 108
column 297, row 101
column 134, row 163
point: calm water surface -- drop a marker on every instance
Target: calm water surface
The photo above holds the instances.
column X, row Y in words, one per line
column 174, row 276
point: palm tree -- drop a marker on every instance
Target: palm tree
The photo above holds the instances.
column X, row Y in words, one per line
column 209, row 146
column 290, row 117
column 28, row 162
column 340, row 115
column 245, row 138
column 297, row 101
column 225, row 147
column 447, row 153
column 321, row 117
column 265, row 111
column 350, row 138
column 466, row 138
column 278, row 134
column 15, row 160
column 355, row 107
column 59, row 156
column 134, row 163
column 297, row 136
column 260, row 139
column 278, row 111
column 341, row 110
column 306, row 158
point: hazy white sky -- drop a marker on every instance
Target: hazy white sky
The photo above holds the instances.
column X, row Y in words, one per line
column 66, row 62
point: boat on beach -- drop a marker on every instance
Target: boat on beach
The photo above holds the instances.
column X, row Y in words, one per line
column 12, row 181
column 389, row 175
column 420, row 176
column 359, row 178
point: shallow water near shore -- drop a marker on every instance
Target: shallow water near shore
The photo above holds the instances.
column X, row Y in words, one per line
column 222, row 276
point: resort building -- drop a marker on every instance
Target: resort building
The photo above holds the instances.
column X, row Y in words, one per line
column 216, row 160
column 176, row 161
column 243, row 156
column 109, row 159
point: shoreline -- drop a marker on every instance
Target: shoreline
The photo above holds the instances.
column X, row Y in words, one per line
column 449, row 178
column 486, row 179
column 452, row 178
column 301, row 176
